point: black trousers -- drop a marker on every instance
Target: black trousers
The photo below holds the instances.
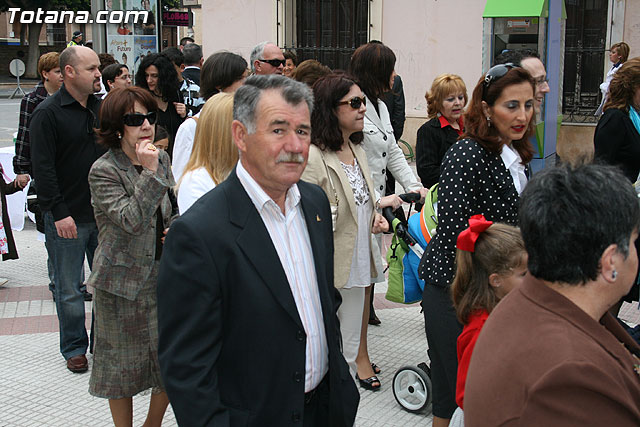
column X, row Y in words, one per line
column 442, row 328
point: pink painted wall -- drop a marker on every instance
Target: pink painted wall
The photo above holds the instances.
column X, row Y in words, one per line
column 632, row 27
column 431, row 37
column 236, row 26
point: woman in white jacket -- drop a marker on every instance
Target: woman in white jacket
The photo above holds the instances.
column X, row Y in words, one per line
column 373, row 66
column 618, row 55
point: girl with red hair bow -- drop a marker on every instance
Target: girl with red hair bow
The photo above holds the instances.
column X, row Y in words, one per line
column 491, row 261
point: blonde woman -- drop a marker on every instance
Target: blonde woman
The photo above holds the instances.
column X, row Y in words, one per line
column 214, row 155
column 445, row 104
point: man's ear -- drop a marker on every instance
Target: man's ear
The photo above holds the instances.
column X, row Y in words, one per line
column 239, row 134
column 256, row 65
column 182, row 67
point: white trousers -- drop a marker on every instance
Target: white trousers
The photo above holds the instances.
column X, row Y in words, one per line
column 350, row 316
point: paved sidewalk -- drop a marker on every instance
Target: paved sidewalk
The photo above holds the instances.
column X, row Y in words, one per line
column 36, row 389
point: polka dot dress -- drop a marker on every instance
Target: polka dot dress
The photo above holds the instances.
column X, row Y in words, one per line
column 473, row 181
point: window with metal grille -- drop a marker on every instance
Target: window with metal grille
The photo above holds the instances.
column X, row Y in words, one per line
column 585, row 49
column 328, row 30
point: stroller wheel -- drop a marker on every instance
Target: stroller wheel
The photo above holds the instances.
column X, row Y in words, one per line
column 412, row 389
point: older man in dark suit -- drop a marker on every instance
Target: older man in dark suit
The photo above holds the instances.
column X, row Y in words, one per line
column 246, row 303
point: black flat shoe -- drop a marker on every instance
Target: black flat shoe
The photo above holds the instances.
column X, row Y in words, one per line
column 367, row 384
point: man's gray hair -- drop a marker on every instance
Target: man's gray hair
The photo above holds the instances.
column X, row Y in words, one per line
column 245, row 101
column 257, row 53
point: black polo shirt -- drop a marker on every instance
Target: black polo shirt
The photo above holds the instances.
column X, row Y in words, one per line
column 63, row 148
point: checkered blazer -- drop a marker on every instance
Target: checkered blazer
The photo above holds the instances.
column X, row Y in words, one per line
column 125, row 204
column 22, row 159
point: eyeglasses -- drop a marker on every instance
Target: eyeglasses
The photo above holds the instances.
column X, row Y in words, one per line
column 355, row 102
column 541, row 81
column 274, row 62
column 137, row 119
column 494, row 74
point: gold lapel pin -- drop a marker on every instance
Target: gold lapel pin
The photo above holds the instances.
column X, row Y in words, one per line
column 318, row 218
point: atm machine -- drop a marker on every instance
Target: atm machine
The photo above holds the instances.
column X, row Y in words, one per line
column 520, row 25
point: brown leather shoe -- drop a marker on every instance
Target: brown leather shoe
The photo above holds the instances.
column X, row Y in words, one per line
column 78, row 363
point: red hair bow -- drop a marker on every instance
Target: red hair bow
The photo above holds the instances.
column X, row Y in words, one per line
column 467, row 238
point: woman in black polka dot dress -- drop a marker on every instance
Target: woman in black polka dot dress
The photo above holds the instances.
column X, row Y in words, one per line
column 483, row 173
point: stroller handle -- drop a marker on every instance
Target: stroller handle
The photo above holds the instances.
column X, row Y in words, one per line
column 410, row 197
column 400, row 227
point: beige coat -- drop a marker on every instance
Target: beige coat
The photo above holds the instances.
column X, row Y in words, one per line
column 344, row 235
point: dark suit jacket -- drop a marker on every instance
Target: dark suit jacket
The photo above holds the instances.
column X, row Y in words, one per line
column 617, row 142
column 192, row 74
column 232, row 346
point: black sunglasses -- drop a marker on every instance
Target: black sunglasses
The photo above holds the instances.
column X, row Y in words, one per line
column 137, row 119
column 274, row 62
column 494, row 74
column 355, row 102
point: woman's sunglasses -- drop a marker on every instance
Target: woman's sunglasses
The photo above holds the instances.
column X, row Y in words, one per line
column 355, row 102
column 137, row 119
column 494, row 74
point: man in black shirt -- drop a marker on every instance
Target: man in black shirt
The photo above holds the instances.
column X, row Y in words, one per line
column 63, row 150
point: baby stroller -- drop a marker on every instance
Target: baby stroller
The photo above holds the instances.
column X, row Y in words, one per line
column 411, row 384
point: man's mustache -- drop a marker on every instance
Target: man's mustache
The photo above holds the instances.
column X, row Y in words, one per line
column 290, row 158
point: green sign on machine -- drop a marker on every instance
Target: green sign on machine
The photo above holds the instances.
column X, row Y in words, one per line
column 513, row 8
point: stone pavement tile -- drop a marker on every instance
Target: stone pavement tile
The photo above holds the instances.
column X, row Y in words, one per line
column 37, row 389
column 398, row 342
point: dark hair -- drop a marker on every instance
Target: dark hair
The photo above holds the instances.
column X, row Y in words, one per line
column 372, row 65
column 325, row 130
column 192, row 54
column 161, row 133
column 168, row 83
column 476, row 125
column 185, row 40
column 219, row 71
column 174, row 55
column 623, row 86
column 119, row 102
column 309, row 71
column 292, row 56
column 569, row 216
column 106, row 59
column 515, row 57
column 111, row 72
column 499, row 249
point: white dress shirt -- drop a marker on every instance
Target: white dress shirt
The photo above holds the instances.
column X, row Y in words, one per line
column 513, row 162
column 290, row 237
